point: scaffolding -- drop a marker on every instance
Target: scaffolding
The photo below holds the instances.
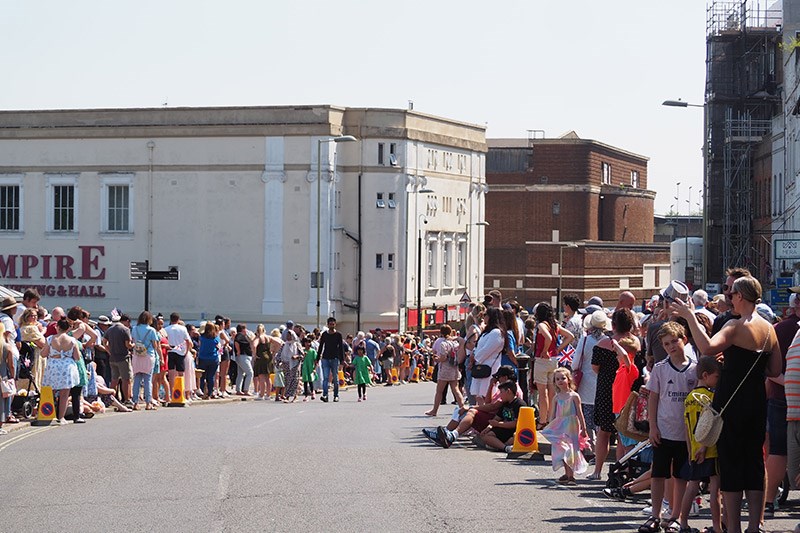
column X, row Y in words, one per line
column 742, row 134
column 742, row 73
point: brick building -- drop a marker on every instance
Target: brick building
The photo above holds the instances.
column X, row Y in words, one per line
column 576, row 199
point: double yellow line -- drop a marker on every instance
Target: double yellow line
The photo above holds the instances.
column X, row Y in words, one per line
column 13, row 440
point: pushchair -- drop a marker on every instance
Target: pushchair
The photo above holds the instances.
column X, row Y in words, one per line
column 629, row 467
column 26, row 401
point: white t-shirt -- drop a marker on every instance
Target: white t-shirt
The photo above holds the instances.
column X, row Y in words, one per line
column 11, row 327
column 582, row 360
column 672, row 386
column 178, row 338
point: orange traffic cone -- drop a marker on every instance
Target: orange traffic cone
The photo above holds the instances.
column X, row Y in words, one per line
column 177, row 398
column 342, row 382
column 525, row 440
column 394, row 375
column 429, row 374
column 415, row 375
column 47, row 408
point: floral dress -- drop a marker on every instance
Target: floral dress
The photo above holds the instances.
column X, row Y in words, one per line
column 61, row 371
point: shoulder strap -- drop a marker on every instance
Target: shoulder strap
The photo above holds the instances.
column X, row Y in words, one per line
column 746, row 375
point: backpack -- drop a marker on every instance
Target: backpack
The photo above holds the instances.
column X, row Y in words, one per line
column 138, row 347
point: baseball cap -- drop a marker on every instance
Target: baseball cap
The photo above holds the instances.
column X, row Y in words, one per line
column 289, row 324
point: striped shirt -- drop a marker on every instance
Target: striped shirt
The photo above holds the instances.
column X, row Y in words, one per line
column 792, row 379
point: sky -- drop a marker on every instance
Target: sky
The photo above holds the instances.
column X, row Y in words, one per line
column 601, row 69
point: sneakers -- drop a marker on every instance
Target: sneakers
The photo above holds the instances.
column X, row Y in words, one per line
column 431, row 435
column 695, row 510
column 359, row 400
column 445, row 437
column 614, row 493
column 61, row 422
column 79, row 421
column 365, row 397
column 324, row 399
column 335, row 398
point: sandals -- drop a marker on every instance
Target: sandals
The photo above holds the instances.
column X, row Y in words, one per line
column 653, row 525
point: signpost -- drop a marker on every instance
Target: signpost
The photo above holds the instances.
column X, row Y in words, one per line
column 787, row 249
column 140, row 270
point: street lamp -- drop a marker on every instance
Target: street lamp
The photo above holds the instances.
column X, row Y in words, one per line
column 318, row 276
column 560, row 276
column 469, row 252
column 421, row 219
column 679, row 103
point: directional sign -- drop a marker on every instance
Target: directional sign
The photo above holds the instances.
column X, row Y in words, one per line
column 138, row 269
column 171, row 275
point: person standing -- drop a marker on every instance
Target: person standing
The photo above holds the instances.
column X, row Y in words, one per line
column 291, row 357
column 309, row 367
column 244, row 360
column 208, row 358
column 146, row 348
column 118, row 343
column 179, row 344
column 361, row 373
column 572, row 320
column 332, row 353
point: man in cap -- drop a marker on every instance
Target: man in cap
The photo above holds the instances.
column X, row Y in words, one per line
column 595, row 303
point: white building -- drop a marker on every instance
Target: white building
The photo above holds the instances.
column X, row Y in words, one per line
column 229, row 197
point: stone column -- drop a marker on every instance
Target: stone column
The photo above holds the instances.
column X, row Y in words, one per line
column 274, row 178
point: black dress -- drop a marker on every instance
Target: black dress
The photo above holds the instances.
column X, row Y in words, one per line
column 603, row 405
column 740, row 457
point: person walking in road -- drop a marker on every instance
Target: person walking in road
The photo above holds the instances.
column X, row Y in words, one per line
column 332, row 353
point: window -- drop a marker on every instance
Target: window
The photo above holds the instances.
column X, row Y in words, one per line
column 389, row 261
column 635, row 179
column 379, row 261
column 431, row 255
column 380, row 153
column 390, row 202
column 117, row 203
column 605, row 169
column 393, row 154
column 461, row 259
column 447, row 274
column 11, row 203
column 379, row 203
column 556, row 208
column 62, row 199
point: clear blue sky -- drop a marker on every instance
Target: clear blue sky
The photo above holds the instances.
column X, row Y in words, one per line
column 599, row 68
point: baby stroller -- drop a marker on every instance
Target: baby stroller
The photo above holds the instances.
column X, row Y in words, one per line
column 26, row 401
column 629, row 467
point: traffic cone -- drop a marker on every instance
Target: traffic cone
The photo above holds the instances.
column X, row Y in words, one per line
column 177, row 398
column 429, row 374
column 394, row 375
column 47, row 408
column 272, row 380
column 342, row 382
column 525, row 440
column 415, row 375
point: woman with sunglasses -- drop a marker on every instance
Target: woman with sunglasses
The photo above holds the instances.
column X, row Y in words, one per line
column 751, row 353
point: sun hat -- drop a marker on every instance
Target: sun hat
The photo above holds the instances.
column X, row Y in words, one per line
column 8, row 303
column 676, row 290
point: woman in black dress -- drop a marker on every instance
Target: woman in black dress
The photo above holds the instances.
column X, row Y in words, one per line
column 607, row 355
column 746, row 343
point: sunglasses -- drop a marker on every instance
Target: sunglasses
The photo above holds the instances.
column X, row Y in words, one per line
column 725, row 287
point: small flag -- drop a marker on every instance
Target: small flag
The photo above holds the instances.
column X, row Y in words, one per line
column 565, row 357
column 115, row 314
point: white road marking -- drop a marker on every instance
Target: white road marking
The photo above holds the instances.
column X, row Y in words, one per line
column 14, row 440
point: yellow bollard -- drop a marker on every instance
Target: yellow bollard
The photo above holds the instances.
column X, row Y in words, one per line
column 342, row 382
column 429, row 374
column 47, row 408
column 394, row 375
column 525, row 440
column 415, row 375
column 177, row 399
column 272, row 381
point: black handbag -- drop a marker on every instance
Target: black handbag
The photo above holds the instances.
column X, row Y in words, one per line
column 484, row 371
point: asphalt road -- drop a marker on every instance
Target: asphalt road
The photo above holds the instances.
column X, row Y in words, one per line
column 262, row 466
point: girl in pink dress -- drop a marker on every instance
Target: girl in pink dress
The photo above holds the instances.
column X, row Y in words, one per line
column 566, row 428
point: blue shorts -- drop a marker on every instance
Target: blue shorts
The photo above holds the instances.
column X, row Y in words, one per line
column 693, row 471
column 776, row 427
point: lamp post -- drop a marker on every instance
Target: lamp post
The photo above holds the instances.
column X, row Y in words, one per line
column 686, row 241
column 318, row 278
column 469, row 252
column 560, row 276
column 421, row 219
column 681, row 103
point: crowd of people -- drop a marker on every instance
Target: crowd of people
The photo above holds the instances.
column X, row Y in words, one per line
column 127, row 365
column 585, row 371
column 581, row 374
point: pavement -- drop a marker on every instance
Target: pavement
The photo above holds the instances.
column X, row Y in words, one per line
column 267, row 466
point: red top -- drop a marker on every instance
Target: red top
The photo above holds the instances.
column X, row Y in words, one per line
column 551, row 351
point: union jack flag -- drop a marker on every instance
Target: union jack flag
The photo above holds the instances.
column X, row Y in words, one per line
column 565, row 357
